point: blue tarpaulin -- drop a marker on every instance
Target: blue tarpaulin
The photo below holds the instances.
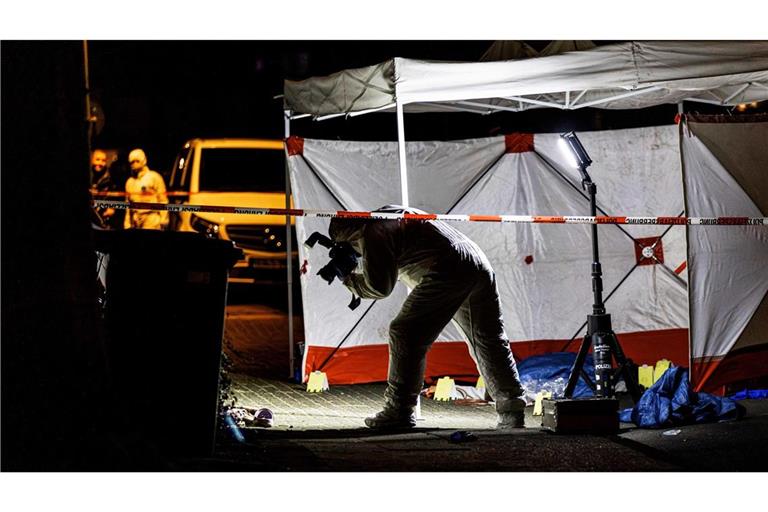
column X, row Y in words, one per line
column 671, row 401
column 755, row 394
column 550, row 372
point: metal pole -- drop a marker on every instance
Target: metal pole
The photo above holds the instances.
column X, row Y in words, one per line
column 88, row 115
column 401, row 153
column 289, row 249
column 598, row 308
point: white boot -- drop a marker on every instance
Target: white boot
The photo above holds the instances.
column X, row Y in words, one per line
column 392, row 419
column 510, row 420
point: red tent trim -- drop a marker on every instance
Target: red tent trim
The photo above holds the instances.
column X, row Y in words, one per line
column 518, row 142
column 368, row 363
column 295, row 145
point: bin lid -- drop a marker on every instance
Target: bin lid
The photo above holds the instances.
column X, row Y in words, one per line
column 175, row 246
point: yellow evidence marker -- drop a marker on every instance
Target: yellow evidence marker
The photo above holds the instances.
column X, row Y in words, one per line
column 317, row 382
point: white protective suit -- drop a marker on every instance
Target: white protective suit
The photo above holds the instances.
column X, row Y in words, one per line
column 145, row 186
column 450, row 277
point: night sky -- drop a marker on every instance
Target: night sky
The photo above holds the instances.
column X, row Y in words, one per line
column 158, row 94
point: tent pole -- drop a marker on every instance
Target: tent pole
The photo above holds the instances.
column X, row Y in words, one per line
column 289, row 249
column 401, row 153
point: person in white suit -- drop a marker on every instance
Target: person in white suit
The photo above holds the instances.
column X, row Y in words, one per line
column 146, row 186
column 450, row 277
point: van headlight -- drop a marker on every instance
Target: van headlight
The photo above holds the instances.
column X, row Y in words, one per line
column 207, row 228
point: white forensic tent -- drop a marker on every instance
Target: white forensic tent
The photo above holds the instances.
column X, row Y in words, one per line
column 543, row 271
column 631, row 75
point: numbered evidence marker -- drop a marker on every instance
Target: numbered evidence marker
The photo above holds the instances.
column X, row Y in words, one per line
column 538, row 406
column 444, row 389
column 661, row 366
column 317, row 383
column 645, row 376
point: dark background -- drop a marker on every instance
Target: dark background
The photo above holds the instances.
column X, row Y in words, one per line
column 153, row 95
column 158, row 94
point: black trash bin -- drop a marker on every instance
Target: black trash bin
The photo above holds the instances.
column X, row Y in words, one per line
column 164, row 321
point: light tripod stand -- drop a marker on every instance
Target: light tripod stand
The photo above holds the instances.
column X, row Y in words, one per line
column 600, row 335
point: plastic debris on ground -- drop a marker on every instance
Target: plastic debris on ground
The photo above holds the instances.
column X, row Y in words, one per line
column 671, row 401
column 753, row 394
column 550, row 372
column 250, row 417
column 462, row 436
column 264, row 418
column 461, row 395
column 233, row 429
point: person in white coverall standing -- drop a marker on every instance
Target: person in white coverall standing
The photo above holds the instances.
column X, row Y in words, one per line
column 146, row 186
column 450, row 277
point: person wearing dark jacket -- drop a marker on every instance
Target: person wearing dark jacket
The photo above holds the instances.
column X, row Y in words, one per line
column 103, row 181
column 450, row 278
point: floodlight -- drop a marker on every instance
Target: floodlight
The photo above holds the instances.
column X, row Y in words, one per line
column 600, row 335
column 582, row 158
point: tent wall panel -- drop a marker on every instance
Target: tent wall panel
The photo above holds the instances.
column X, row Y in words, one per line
column 725, row 174
column 543, row 271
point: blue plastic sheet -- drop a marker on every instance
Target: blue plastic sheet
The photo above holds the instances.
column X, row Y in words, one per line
column 671, row 401
column 550, row 372
column 755, row 394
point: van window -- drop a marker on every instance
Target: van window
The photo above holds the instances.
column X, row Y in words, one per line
column 241, row 170
column 183, row 162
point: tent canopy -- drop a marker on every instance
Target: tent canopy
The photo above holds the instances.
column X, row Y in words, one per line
column 620, row 76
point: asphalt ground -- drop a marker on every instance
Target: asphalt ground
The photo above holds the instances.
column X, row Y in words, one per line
column 324, row 432
column 319, row 454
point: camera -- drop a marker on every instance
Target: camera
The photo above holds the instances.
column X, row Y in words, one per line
column 343, row 260
column 343, row 257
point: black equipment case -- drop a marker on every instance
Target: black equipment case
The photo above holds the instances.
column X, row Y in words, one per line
column 581, row 416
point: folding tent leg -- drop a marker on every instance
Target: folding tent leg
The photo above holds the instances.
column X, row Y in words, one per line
column 401, row 154
column 288, row 251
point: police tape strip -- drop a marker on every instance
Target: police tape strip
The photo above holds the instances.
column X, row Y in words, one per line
column 518, row 219
column 113, row 193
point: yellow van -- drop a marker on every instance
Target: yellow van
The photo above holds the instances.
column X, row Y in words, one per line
column 236, row 172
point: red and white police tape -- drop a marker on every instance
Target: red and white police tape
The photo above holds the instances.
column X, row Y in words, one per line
column 535, row 219
column 114, row 193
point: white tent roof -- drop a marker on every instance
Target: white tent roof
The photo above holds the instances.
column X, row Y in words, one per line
column 621, row 76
